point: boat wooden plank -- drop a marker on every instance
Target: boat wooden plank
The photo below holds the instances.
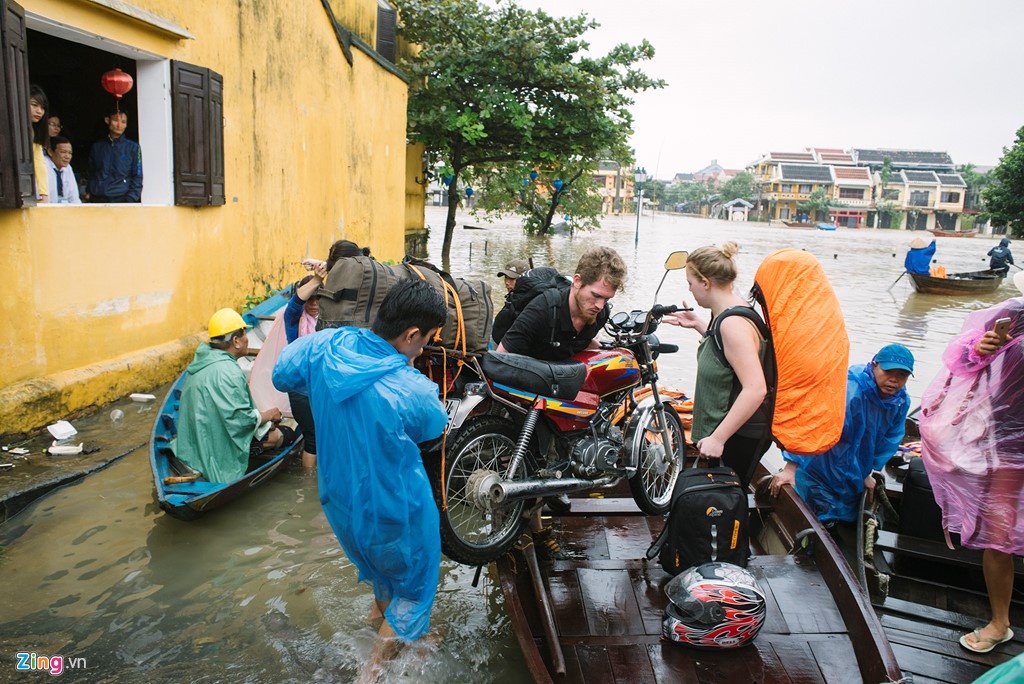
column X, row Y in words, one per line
column 608, row 602
column 564, row 589
column 835, row 655
column 649, row 591
column 937, row 667
column 944, row 641
column 774, row 622
column 797, row 660
column 804, row 600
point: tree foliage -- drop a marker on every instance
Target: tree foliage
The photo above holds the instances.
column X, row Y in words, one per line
column 820, row 202
column 739, row 186
column 562, row 190
column 1004, row 194
column 498, row 85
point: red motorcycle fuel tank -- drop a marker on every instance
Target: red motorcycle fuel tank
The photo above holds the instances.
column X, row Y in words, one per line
column 609, row 370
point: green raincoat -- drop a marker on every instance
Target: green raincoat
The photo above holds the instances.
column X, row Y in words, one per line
column 218, row 417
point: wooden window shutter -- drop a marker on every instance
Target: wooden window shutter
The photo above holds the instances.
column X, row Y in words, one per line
column 386, row 20
column 17, row 170
column 198, row 122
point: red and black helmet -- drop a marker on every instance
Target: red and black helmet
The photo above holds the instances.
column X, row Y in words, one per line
column 715, row 605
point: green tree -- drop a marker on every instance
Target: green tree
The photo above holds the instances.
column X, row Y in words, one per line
column 1004, row 195
column 739, row 186
column 820, row 203
column 498, row 85
column 567, row 189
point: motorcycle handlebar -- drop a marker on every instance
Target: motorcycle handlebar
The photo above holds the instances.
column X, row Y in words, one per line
column 659, row 310
column 664, row 348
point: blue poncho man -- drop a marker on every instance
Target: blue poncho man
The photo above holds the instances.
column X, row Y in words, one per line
column 371, row 409
column 831, row 483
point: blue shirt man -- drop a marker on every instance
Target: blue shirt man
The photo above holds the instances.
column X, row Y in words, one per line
column 876, row 410
column 115, row 165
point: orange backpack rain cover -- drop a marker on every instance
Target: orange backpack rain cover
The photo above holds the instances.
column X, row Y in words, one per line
column 812, row 351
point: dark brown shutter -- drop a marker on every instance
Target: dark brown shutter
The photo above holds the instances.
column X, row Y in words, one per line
column 386, row 18
column 17, row 179
column 198, row 123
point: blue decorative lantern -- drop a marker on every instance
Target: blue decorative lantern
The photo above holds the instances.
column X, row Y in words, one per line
column 526, row 181
column 469, row 192
column 533, row 175
column 558, row 185
column 447, row 180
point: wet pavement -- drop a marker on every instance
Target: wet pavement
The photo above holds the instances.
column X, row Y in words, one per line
column 105, row 435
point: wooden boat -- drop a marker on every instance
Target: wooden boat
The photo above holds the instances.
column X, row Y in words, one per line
column 953, row 233
column 177, row 492
column 597, row 616
column 973, row 282
column 799, row 224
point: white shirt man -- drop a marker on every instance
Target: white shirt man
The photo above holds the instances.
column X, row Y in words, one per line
column 63, row 186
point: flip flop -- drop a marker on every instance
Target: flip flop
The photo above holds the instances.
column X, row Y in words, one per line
column 984, row 644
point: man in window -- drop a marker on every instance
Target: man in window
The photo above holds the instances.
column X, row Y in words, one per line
column 63, row 186
column 115, row 165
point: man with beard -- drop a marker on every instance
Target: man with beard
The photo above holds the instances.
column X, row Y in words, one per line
column 559, row 323
column 562, row 322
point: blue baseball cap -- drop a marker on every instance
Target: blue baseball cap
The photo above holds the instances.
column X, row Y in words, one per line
column 895, row 357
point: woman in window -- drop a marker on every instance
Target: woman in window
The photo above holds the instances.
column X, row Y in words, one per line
column 38, row 104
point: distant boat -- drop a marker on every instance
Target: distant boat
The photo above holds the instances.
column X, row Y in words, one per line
column 953, row 233
column 826, row 226
column 799, row 224
column 973, row 282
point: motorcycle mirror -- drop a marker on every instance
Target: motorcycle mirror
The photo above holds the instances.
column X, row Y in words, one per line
column 676, row 261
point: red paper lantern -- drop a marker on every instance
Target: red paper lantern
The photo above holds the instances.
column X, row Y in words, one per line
column 117, row 83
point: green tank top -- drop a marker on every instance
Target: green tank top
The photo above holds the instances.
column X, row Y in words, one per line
column 716, row 389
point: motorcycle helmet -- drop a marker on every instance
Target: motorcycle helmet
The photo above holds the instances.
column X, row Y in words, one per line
column 714, row 605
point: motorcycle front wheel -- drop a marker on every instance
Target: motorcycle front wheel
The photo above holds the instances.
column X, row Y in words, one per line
column 473, row 531
column 657, row 463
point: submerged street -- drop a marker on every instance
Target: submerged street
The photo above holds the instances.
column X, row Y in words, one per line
column 261, row 592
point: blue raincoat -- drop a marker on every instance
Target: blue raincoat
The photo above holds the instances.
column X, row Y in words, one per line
column 831, row 483
column 919, row 259
column 371, row 409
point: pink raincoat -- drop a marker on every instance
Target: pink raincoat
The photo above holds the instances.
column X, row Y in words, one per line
column 972, row 434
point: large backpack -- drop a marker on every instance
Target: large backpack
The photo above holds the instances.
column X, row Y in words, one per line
column 707, row 522
column 808, row 353
column 356, row 286
column 534, row 282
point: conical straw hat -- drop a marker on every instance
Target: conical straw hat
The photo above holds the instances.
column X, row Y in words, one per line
column 918, row 243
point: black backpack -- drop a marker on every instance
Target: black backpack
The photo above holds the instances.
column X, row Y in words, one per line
column 707, row 521
column 532, row 283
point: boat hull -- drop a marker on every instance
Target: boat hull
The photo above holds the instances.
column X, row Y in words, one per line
column 974, row 282
column 953, row 233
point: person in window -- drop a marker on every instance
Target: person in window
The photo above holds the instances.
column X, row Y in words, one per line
column 37, row 106
column 115, row 165
column 54, row 125
column 63, row 186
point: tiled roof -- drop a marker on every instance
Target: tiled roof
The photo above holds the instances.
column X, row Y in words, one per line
column 806, row 172
column 837, row 158
column 904, row 157
column 791, row 156
column 951, row 179
column 920, row 177
column 852, row 173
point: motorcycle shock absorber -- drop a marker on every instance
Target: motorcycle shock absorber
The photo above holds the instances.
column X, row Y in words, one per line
column 529, row 424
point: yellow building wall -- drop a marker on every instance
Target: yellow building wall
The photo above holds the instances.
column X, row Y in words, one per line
column 101, row 300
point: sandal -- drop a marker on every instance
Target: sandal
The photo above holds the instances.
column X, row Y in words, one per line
column 984, row 644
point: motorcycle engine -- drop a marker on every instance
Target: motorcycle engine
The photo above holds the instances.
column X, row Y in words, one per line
column 595, row 454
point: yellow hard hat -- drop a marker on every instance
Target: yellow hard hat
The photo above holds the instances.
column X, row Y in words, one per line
column 225, row 321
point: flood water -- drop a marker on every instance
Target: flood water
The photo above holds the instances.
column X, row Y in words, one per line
column 260, row 591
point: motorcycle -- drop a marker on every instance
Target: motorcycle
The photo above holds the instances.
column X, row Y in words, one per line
column 521, row 430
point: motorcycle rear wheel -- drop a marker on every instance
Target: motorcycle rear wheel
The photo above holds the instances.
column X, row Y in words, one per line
column 658, row 465
column 471, row 532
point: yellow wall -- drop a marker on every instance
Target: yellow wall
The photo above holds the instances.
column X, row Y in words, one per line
column 314, row 151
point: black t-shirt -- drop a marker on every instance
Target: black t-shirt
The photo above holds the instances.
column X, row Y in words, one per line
column 544, row 329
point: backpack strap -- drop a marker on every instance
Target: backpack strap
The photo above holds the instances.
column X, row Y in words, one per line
column 715, row 329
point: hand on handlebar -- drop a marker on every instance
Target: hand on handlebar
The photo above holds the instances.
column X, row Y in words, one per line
column 683, row 316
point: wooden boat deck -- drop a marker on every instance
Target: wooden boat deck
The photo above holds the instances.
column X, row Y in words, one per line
column 607, row 603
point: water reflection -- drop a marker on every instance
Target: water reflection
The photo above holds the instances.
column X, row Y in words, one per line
column 260, row 592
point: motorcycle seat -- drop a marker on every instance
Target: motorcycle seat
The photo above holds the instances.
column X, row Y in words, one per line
column 557, row 379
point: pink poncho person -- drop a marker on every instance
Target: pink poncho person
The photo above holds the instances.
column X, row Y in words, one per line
column 972, row 433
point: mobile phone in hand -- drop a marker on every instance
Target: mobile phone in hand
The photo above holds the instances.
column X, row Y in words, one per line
column 1001, row 327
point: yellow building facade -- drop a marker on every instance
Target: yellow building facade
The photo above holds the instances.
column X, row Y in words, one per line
column 105, row 299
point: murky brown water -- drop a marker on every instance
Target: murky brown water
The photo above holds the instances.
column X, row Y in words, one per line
column 260, row 591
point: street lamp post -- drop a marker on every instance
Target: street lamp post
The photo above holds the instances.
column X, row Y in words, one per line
column 639, row 176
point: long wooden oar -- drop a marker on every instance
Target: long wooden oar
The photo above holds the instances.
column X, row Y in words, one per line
column 896, row 281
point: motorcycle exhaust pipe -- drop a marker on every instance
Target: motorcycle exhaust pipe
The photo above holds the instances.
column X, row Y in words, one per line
column 512, row 490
